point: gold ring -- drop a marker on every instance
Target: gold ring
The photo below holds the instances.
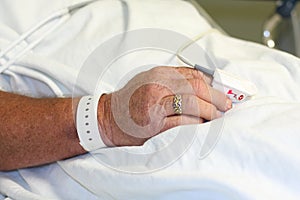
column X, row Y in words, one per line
column 177, row 104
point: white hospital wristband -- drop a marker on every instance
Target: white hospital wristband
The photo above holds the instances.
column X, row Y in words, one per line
column 87, row 123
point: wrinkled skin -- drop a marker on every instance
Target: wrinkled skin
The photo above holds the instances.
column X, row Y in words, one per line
column 143, row 108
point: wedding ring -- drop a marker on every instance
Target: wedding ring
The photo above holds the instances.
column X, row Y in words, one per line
column 177, row 104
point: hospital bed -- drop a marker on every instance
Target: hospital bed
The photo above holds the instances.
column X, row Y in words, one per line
column 250, row 153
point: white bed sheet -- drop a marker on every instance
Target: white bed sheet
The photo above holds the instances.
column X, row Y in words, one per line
column 256, row 156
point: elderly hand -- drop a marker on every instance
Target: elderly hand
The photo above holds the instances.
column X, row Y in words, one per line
column 144, row 107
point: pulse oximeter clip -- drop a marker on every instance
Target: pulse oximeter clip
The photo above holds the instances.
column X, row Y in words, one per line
column 237, row 89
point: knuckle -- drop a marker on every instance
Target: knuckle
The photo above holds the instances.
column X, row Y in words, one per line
column 198, row 86
column 198, row 73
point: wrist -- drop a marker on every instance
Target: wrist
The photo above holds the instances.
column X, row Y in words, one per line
column 104, row 119
column 87, row 123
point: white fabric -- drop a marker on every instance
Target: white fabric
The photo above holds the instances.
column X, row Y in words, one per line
column 256, row 156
